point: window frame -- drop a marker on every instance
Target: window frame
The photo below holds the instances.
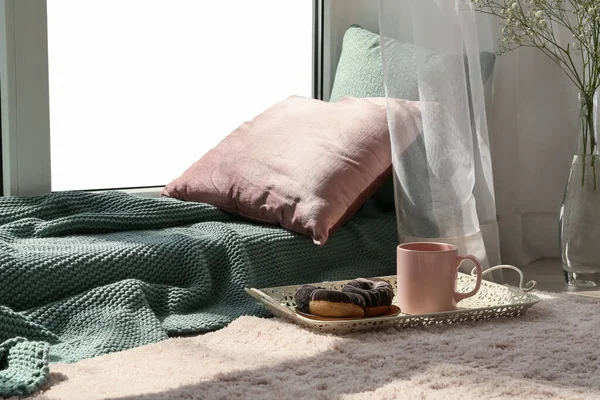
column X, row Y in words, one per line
column 24, row 95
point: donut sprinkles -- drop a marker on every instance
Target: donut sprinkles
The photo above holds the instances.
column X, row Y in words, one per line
column 358, row 298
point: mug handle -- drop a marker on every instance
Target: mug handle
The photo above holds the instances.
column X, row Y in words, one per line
column 461, row 296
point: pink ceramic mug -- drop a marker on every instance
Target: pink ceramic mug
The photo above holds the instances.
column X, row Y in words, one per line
column 427, row 274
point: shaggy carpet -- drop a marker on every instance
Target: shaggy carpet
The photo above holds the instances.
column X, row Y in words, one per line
column 552, row 352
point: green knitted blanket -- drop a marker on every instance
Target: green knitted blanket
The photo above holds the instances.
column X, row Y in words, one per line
column 85, row 274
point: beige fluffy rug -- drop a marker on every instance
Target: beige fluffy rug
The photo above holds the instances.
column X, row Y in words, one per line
column 553, row 352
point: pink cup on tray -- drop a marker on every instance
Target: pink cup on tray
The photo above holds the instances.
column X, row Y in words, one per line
column 427, row 274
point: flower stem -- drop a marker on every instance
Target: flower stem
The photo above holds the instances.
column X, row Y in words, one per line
column 583, row 172
column 588, row 135
column 594, row 168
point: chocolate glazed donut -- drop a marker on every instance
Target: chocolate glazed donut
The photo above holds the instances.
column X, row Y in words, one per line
column 329, row 303
column 378, row 295
column 333, row 303
column 302, row 297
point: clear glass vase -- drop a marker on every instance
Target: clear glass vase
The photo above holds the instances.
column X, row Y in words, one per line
column 580, row 211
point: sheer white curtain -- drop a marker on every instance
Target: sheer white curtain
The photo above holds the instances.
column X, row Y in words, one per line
column 521, row 121
column 444, row 182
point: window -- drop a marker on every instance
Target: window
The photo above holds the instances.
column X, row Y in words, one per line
column 137, row 90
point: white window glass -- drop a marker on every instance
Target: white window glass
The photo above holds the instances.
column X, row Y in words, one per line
column 140, row 89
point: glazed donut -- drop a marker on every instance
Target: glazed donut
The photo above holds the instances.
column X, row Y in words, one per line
column 302, row 297
column 333, row 303
column 377, row 293
column 315, row 300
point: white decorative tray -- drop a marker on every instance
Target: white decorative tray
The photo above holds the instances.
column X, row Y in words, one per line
column 492, row 301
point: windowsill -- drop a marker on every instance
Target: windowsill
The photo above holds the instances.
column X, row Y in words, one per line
column 549, row 277
column 142, row 192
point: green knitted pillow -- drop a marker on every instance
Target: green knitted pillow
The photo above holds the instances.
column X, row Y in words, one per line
column 359, row 71
column 360, row 74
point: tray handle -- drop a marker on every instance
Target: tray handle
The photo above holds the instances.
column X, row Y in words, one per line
column 525, row 288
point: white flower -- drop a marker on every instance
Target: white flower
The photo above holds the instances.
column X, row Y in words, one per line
column 528, row 23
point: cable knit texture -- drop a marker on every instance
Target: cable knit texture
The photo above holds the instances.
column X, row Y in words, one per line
column 85, row 274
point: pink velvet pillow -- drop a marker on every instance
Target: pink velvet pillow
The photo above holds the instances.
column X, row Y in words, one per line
column 304, row 164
